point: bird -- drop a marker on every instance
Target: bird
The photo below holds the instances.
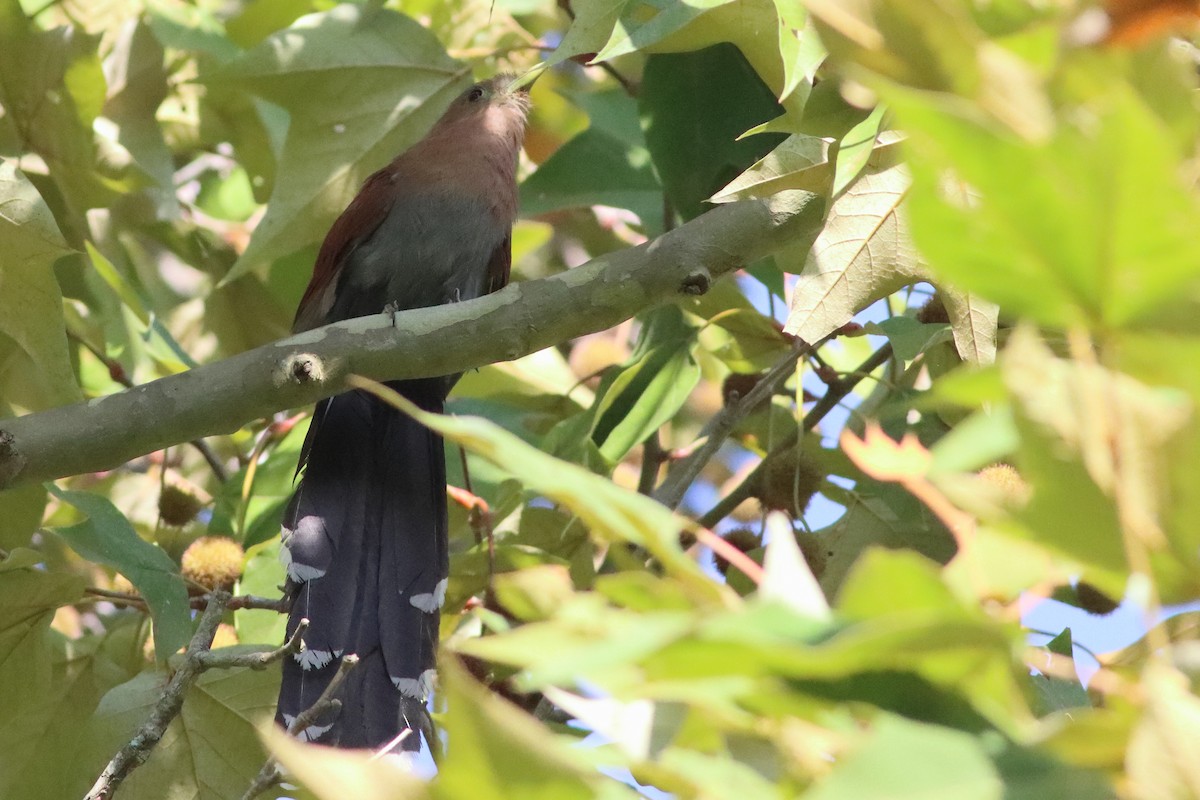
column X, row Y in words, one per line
column 364, row 535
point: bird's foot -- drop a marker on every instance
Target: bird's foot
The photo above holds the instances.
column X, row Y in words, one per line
column 392, row 309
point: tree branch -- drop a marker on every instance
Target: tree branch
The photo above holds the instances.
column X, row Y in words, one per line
column 219, row 398
column 135, row 753
column 682, row 473
column 836, row 392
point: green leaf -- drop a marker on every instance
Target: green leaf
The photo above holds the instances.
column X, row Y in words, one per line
column 106, row 537
column 21, row 509
column 48, row 728
column 499, row 752
column 1055, row 693
column 1091, row 488
column 609, row 511
column 694, row 106
column 52, row 85
column 332, row 774
column 862, row 254
column 362, row 84
column 800, row 162
column 1045, row 233
column 647, row 393
column 909, row 337
column 1160, row 765
column 138, row 86
column 211, row 751
column 905, row 760
column 30, row 301
column 595, row 168
column 642, row 25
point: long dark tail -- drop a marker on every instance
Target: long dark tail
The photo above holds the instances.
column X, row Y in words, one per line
column 364, row 539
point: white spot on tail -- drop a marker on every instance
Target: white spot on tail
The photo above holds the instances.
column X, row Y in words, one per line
column 430, row 602
column 417, row 688
column 316, row 659
column 300, row 573
column 309, row 734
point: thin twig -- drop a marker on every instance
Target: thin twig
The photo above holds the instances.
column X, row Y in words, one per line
column 269, row 774
column 835, row 394
column 727, row 551
column 135, row 753
column 257, row 660
column 684, row 472
column 116, row 371
column 653, row 456
column 236, row 603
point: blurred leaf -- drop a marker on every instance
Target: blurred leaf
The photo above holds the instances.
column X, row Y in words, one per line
column 362, row 84
column 609, row 511
column 1071, row 452
column 1121, row 253
column 786, row 575
column 210, row 751
column 262, row 576
column 332, row 774
column 52, row 85
column 883, row 515
column 902, row 759
column 137, row 86
column 1054, row 693
column 500, row 752
column 106, row 537
column 934, row 47
column 1160, row 764
column 694, row 106
column 644, row 24
column 30, row 301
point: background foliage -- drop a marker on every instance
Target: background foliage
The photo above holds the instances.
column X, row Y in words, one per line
column 167, row 171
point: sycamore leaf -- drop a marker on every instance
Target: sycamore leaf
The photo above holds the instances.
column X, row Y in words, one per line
column 864, row 253
column 30, row 301
column 362, row 84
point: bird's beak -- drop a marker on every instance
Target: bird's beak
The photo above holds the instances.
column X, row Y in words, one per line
column 522, row 83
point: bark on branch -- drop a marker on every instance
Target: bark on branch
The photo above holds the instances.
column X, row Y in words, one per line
column 219, row 398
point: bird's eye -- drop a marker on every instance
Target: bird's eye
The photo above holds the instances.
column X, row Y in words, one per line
column 475, row 94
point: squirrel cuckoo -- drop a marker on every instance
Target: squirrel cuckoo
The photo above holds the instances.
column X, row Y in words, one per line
column 364, row 535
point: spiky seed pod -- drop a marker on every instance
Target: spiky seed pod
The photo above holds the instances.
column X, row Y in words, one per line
column 739, row 384
column 1012, row 486
column 213, row 561
column 788, row 483
column 743, row 539
column 1094, row 601
column 178, row 505
column 814, row 552
column 934, row 310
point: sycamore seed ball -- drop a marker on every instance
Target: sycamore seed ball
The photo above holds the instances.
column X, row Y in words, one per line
column 177, row 506
column 213, row 561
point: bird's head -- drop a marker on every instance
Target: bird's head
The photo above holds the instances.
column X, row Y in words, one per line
column 497, row 105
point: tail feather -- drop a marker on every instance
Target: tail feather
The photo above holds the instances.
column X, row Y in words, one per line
column 365, row 542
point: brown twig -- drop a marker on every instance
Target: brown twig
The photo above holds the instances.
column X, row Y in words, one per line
column 269, row 774
column 257, row 660
column 835, row 394
column 116, row 371
column 135, row 753
column 684, row 472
